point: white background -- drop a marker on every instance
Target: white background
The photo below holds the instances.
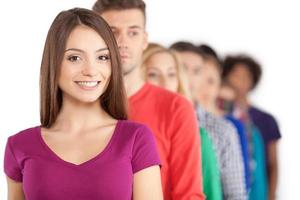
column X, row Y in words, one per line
column 267, row 30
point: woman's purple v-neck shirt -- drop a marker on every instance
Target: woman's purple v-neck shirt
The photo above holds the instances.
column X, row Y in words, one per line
column 109, row 175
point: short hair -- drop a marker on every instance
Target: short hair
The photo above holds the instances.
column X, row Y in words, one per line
column 113, row 100
column 252, row 66
column 154, row 48
column 100, row 6
column 184, row 46
column 209, row 54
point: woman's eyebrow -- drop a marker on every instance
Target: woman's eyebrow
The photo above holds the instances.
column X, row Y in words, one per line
column 79, row 50
column 74, row 49
column 102, row 49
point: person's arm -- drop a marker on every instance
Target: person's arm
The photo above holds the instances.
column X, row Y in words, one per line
column 13, row 173
column 185, row 155
column 147, row 184
column 273, row 169
column 14, row 190
column 145, row 165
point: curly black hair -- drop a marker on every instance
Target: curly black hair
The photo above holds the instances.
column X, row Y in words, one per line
column 252, row 65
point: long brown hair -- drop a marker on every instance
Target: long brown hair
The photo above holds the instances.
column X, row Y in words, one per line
column 113, row 100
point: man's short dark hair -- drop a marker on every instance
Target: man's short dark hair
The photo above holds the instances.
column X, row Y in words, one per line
column 183, row 46
column 252, row 66
column 209, row 54
column 101, row 6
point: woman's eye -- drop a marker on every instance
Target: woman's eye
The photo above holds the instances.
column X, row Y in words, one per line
column 152, row 75
column 172, row 75
column 103, row 57
column 73, row 58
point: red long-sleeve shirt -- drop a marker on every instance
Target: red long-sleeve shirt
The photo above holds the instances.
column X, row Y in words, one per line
column 172, row 119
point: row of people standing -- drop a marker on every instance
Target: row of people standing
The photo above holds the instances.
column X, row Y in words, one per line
column 87, row 56
column 237, row 138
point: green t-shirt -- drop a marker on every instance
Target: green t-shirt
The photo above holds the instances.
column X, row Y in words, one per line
column 210, row 169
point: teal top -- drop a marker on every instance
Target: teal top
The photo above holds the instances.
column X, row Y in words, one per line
column 210, row 169
column 259, row 185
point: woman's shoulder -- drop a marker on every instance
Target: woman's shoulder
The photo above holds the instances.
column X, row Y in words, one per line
column 134, row 130
column 24, row 136
column 132, row 126
column 260, row 113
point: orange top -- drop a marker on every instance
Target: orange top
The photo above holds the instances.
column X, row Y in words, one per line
column 173, row 121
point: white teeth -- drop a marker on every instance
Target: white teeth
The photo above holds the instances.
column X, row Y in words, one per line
column 87, row 83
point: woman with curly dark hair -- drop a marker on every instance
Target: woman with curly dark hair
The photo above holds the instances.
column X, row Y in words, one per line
column 243, row 73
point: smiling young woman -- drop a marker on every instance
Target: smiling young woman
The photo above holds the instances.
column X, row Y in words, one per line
column 85, row 148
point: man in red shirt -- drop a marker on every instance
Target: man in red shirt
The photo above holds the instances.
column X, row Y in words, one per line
column 171, row 117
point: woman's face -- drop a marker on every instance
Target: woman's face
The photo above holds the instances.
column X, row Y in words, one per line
column 161, row 71
column 86, row 67
column 240, row 79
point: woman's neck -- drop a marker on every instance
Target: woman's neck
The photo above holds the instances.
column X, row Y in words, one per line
column 242, row 102
column 75, row 117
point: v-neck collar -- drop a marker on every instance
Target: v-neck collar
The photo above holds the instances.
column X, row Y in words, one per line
column 59, row 159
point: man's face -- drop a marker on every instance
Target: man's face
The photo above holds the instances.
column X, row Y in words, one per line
column 128, row 27
column 209, row 86
column 193, row 63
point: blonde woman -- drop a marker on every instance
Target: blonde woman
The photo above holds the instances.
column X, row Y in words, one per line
column 161, row 67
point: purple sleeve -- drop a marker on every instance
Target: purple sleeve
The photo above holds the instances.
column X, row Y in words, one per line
column 144, row 153
column 274, row 129
column 11, row 166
